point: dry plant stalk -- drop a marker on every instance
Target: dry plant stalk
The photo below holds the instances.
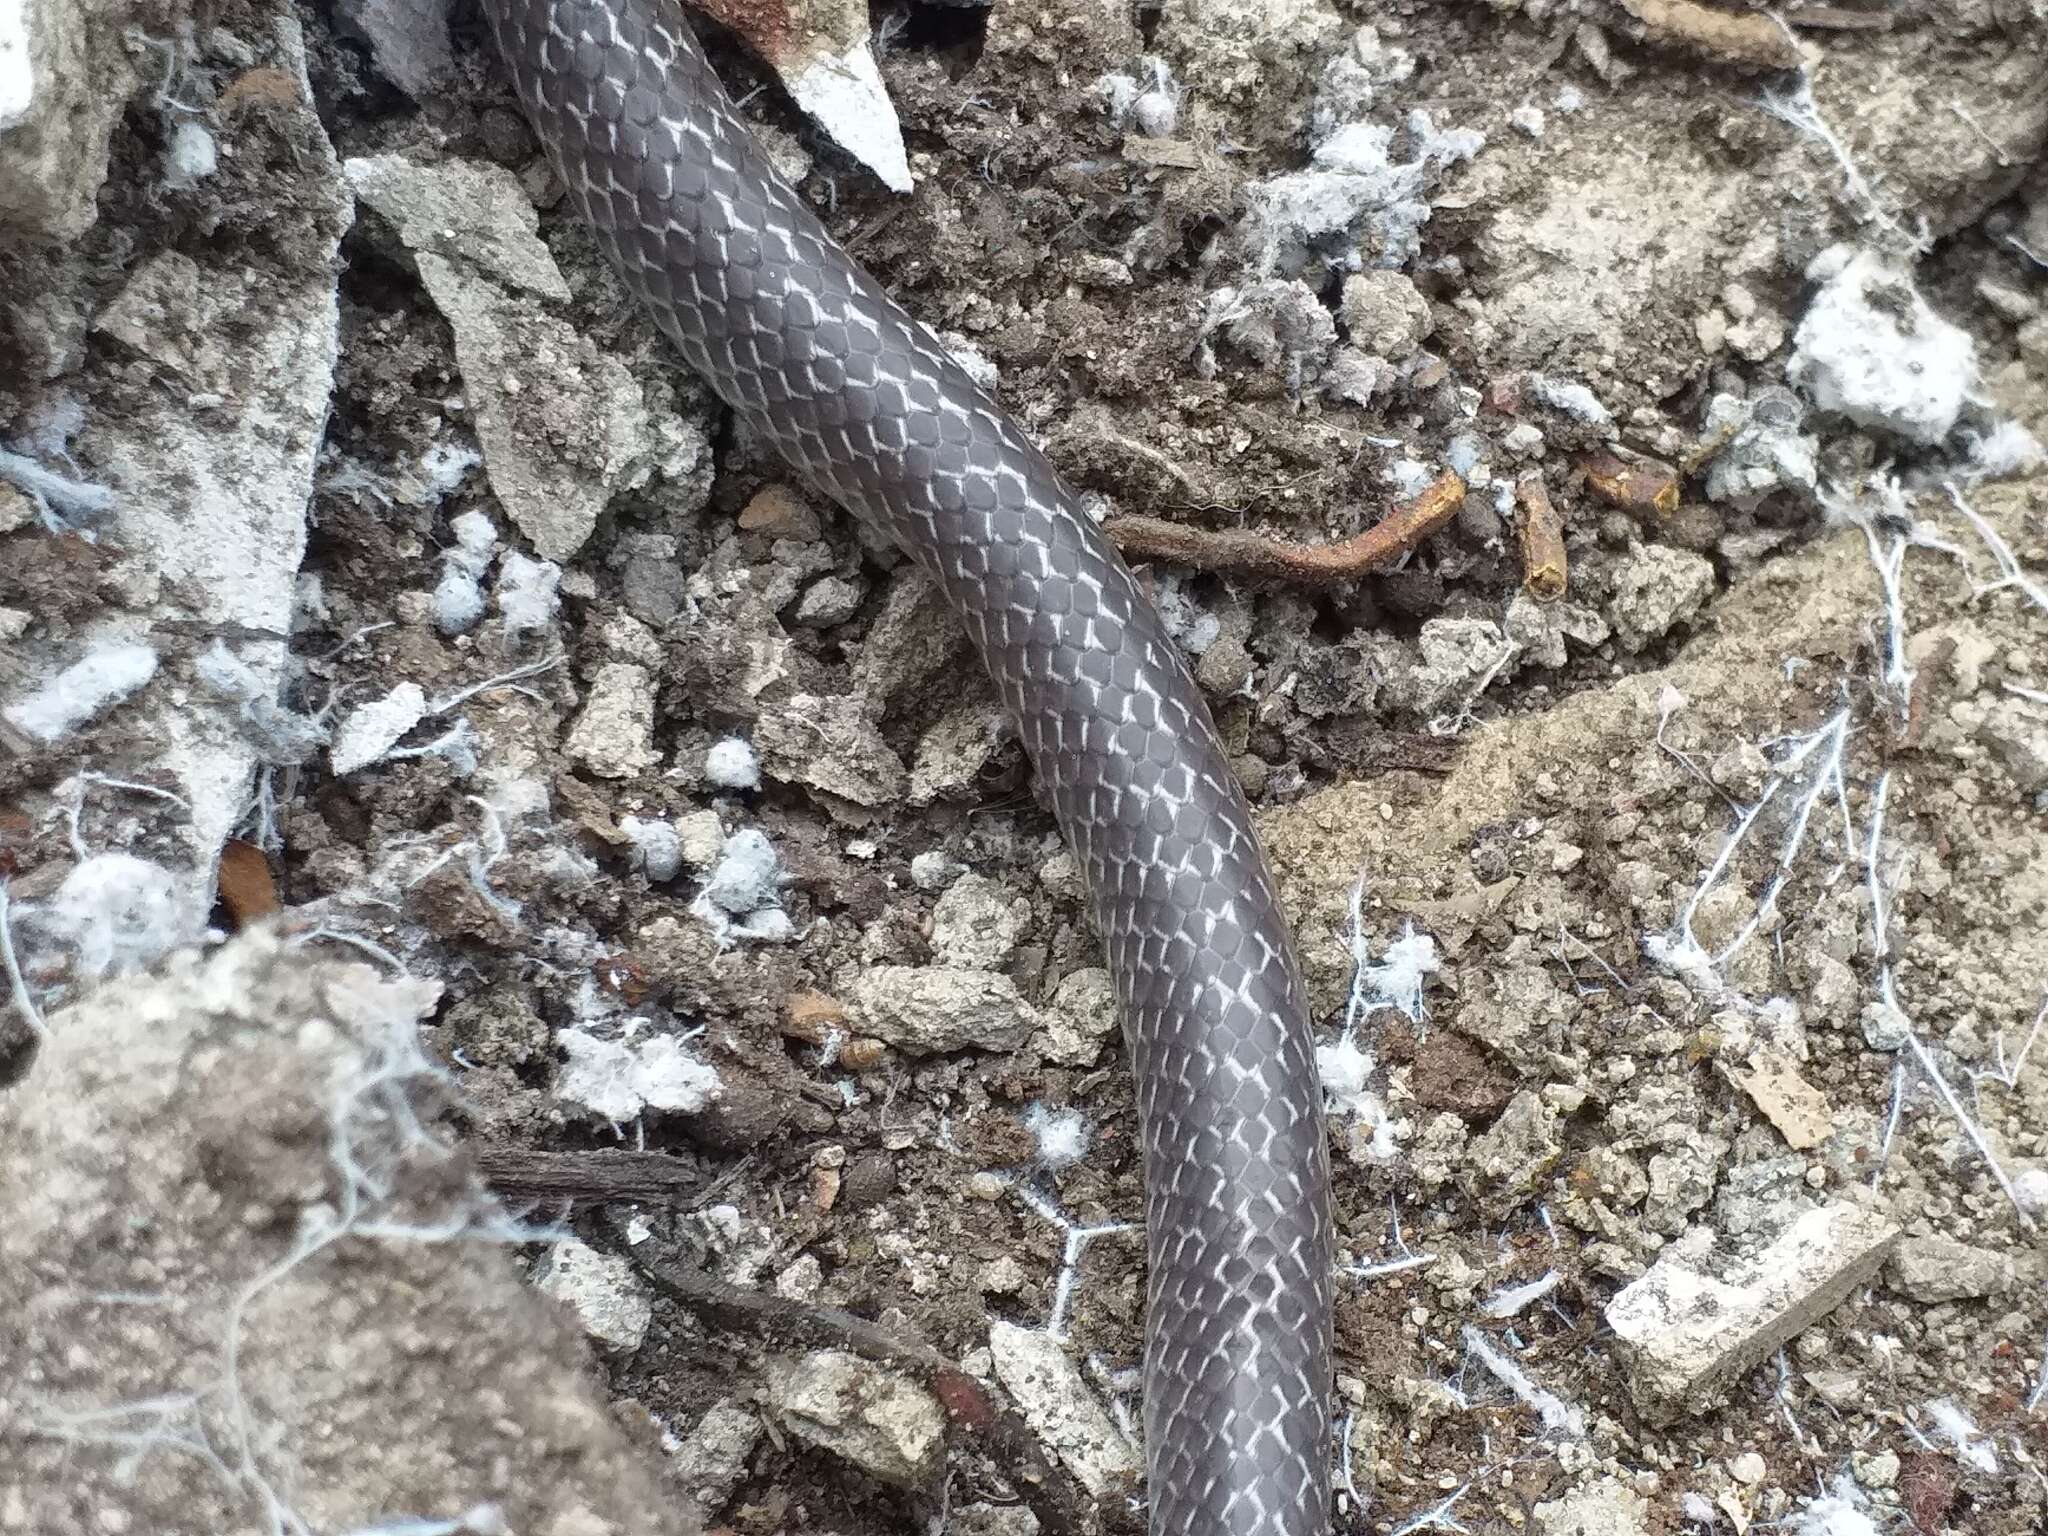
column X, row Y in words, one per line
column 1541, row 535
column 1239, row 552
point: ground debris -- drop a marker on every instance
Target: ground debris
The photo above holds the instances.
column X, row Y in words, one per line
column 1688, row 1334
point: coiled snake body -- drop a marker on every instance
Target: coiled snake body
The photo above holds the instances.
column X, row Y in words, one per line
column 863, row 401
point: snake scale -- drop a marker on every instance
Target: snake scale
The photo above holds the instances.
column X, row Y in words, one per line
column 864, row 403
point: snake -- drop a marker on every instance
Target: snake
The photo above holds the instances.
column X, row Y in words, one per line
column 865, row 405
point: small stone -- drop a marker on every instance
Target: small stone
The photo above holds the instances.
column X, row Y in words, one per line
column 1604, row 1507
column 602, row 1289
column 977, row 923
column 929, row 1010
column 713, row 1458
column 1687, row 1334
column 780, row 513
column 1061, row 1410
column 1939, row 1269
column 614, row 735
column 700, row 839
column 1656, row 589
column 877, row 1419
column 1385, row 313
column 1083, row 1016
column 833, row 745
column 1748, row 1469
column 828, row 601
column 16, row 510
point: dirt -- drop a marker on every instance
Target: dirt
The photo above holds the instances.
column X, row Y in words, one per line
column 1564, row 1099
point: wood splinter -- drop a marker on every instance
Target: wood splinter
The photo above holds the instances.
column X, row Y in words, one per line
column 1641, row 487
column 1239, row 552
column 1541, row 535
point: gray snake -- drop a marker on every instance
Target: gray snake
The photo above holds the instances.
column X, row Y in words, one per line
column 864, row 403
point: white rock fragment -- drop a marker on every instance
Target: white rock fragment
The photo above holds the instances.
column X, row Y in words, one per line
column 614, row 735
column 657, row 846
column 17, row 69
column 935, row 869
column 1573, row 399
column 1606, row 1506
column 109, row 673
column 1871, row 349
column 529, row 592
column 732, row 764
column 700, row 838
column 619, row 1080
column 1046, row 1385
column 711, row 1461
column 1687, row 1334
column 603, row 1291
column 845, row 95
column 1937, row 1269
column 116, row 913
column 373, row 729
column 866, row 1414
column 932, row 1009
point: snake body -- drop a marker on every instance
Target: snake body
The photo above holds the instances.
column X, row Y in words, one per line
column 864, row 403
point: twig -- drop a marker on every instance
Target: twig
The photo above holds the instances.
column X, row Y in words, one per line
column 596, row 1177
column 1745, row 38
column 1641, row 486
column 1238, row 552
column 1044, row 1488
column 1540, row 534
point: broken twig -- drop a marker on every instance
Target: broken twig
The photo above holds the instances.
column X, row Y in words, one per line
column 1639, row 486
column 1238, row 552
column 1541, row 535
column 595, row 1177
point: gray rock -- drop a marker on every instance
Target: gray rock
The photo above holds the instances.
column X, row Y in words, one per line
column 976, row 924
column 1658, row 587
column 614, row 735
column 409, row 41
column 877, row 1419
column 1688, row 1335
column 1066, row 1417
column 1939, row 1269
column 1385, row 313
column 563, row 425
column 1081, row 1019
column 928, row 1010
column 952, row 754
column 59, row 104
column 713, row 1457
column 831, row 744
column 367, row 1383
column 603, row 1291
column 1604, row 1507
column 828, row 601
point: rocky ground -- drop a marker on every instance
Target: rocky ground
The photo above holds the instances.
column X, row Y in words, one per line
column 1666, row 833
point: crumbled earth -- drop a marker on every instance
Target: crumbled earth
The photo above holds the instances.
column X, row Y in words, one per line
column 372, row 576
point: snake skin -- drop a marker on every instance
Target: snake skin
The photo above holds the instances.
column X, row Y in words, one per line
column 865, row 403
